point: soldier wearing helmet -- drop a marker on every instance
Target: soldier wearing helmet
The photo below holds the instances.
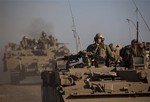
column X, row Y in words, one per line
column 137, row 48
column 24, row 43
column 115, row 54
column 101, row 51
column 99, row 38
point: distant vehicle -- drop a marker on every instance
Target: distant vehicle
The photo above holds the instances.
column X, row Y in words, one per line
column 31, row 56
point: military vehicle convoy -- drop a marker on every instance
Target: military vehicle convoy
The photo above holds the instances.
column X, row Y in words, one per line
column 76, row 81
column 31, row 56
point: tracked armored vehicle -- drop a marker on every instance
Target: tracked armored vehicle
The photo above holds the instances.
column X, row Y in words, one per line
column 77, row 81
column 31, row 57
column 86, row 77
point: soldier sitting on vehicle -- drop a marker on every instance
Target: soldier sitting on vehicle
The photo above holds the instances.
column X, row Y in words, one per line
column 138, row 54
column 137, row 48
column 43, row 40
column 52, row 40
column 115, row 55
column 24, row 43
column 100, row 51
column 129, row 52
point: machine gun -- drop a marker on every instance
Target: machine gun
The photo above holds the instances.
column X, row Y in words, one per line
column 88, row 59
column 71, row 60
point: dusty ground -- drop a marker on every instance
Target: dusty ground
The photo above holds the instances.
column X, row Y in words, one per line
column 20, row 93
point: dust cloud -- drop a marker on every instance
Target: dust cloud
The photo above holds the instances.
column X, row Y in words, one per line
column 37, row 26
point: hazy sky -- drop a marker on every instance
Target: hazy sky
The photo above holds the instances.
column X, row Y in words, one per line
column 30, row 17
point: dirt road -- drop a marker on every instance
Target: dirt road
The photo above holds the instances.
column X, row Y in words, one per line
column 20, row 93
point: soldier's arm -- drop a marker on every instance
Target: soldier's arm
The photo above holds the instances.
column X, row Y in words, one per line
column 92, row 48
column 89, row 48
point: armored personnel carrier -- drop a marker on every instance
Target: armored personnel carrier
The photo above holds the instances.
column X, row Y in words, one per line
column 31, row 56
column 76, row 80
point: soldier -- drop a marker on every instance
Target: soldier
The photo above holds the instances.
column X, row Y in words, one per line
column 44, row 35
column 101, row 51
column 24, row 42
column 52, row 41
column 137, row 49
column 115, row 54
column 118, row 48
column 44, row 40
column 35, row 44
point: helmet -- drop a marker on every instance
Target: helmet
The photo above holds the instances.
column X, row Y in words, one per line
column 98, row 35
column 133, row 41
column 24, row 37
column 112, row 47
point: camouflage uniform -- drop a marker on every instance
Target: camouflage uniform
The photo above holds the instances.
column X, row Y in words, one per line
column 44, row 41
column 137, row 49
column 24, row 43
column 115, row 53
column 52, row 40
column 128, row 53
column 101, row 50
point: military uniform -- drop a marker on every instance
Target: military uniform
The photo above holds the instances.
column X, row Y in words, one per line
column 137, row 50
column 44, row 41
column 103, row 51
column 24, row 43
column 115, row 53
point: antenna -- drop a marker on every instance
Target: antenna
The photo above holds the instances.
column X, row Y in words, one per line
column 128, row 20
column 137, row 10
column 138, row 32
column 76, row 36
